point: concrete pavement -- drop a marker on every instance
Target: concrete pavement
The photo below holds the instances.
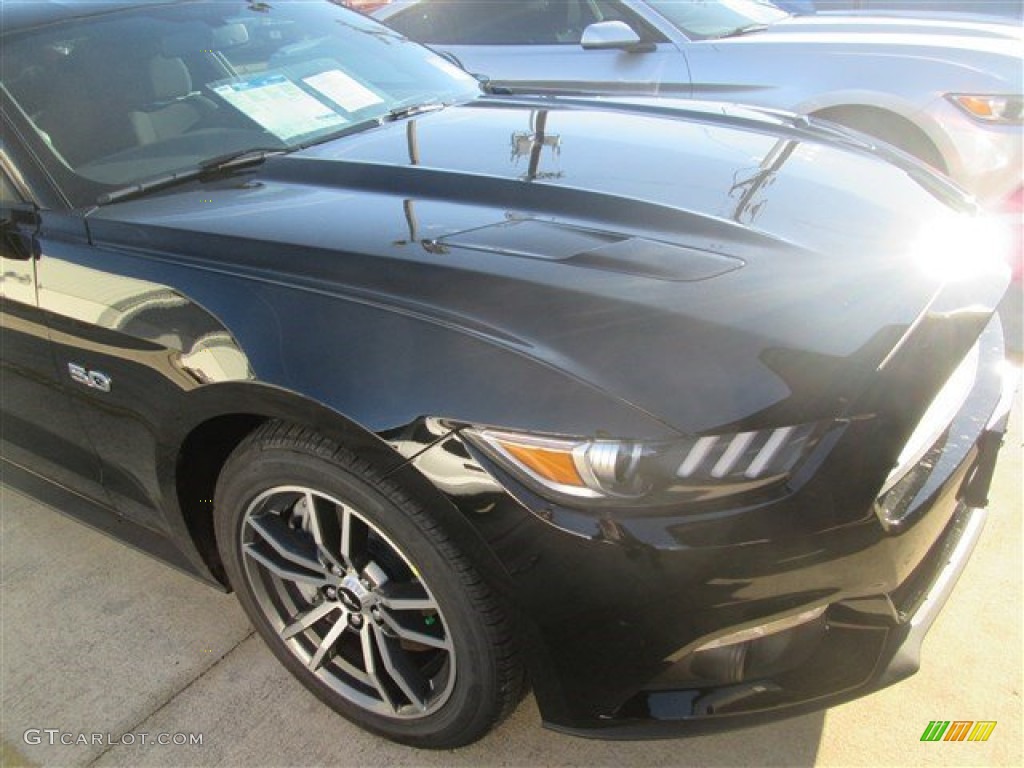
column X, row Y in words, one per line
column 99, row 639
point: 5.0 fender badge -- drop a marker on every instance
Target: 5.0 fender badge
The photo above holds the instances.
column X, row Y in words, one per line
column 92, row 379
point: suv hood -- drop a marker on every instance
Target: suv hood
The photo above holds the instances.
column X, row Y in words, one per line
column 713, row 273
column 915, row 61
column 890, row 25
column 940, row 40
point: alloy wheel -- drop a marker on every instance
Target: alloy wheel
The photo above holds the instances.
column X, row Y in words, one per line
column 347, row 602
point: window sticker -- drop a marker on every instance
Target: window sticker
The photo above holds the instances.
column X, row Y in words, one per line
column 279, row 105
column 346, row 92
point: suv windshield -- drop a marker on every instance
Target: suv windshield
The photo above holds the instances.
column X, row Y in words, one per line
column 121, row 98
column 707, row 19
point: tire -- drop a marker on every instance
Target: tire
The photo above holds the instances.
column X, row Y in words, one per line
column 367, row 601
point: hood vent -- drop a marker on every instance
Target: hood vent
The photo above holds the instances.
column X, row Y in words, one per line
column 593, row 249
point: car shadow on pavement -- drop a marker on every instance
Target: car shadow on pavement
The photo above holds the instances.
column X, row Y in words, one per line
column 523, row 741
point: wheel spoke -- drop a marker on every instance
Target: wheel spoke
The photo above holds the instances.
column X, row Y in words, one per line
column 353, row 539
column 324, row 528
column 402, row 670
column 353, row 671
column 287, row 542
column 346, row 535
column 282, row 570
column 406, row 596
column 370, row 662
column 328, row 642
column 415, row 637
column 305, row 620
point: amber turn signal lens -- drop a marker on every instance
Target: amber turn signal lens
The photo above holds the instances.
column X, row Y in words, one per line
column 977, row 107
column 553, row 465
column 991, row 108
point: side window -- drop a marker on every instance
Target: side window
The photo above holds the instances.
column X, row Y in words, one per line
column 432, row 23
column 511, row 22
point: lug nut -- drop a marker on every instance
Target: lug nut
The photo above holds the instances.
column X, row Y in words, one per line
column 356, row 620
column 331, row 592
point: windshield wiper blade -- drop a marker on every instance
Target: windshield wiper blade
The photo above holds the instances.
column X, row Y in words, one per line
column 226, row 162
column 240, row 158
column 398, row 113
column 740, row 31
column 150, row 185
column 411, row 110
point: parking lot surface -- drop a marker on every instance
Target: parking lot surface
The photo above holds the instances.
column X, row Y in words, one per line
column 104, row 647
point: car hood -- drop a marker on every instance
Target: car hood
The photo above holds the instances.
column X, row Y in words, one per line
column 914, row 60
column 712, row 266
column 885, row 35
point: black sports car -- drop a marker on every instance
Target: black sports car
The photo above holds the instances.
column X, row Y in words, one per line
column 683, row 414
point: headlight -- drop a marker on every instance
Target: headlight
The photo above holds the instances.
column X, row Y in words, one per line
column 1007, row 110
column 641, row 473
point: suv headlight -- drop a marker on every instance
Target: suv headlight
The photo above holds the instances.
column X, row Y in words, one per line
column 991, row 108
column 643, row 473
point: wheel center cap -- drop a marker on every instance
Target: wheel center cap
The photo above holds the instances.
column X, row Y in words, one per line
column 349, row 600
column 352, row 593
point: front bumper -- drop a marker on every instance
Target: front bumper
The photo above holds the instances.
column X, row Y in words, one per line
column 873, row 645
column 621, row 614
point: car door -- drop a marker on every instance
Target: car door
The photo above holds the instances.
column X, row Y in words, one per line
column 39, row 430
column 535, row 44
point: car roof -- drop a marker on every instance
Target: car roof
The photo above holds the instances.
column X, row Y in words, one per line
column 24, row 14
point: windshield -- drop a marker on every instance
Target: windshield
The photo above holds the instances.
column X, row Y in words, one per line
column 121, row 98
column 704, row 19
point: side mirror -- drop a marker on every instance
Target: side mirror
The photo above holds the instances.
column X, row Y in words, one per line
column 612, row 35
column 15, row 241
